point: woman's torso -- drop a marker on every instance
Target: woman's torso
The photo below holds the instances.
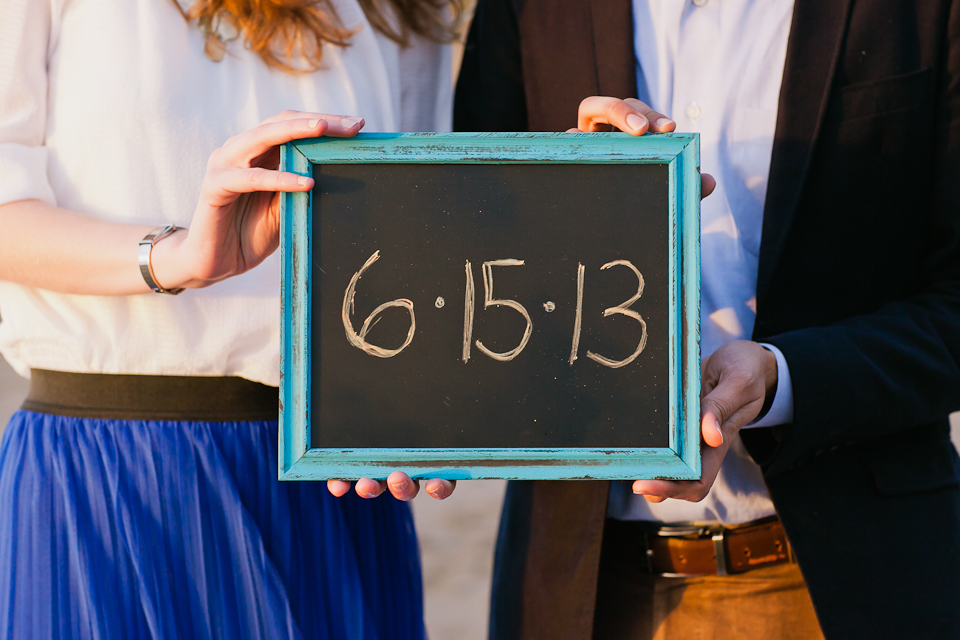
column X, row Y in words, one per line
column 134, row 109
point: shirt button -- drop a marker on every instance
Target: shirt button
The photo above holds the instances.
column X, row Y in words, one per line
column 699, row 3
column 693, row 110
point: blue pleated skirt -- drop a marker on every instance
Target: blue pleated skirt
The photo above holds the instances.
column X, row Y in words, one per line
column 122, row 529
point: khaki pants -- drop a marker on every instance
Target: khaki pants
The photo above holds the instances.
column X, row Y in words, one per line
column 767, row 604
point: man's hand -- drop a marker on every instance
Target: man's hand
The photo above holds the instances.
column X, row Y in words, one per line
column 736, row 381
column 601, row 113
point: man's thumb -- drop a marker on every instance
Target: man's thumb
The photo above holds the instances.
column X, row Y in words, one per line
column 712, row 416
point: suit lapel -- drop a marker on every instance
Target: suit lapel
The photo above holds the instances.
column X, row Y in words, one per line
column 816, row 38
column 573, row 49
column 613, row 47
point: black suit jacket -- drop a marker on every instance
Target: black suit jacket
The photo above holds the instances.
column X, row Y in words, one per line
column 859, row 287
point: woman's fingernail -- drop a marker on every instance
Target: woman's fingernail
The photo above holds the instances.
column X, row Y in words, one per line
column 664, row 122
column 302, row 180
column 313, row 124
column 635, row 122
column 400, row 486
column 716, row 423
column 349, row 123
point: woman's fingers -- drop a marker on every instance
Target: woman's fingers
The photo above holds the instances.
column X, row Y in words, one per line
column 367, row 488
column 440, row 489
column 599, row 113
column 402, row 487
column 226, row 184
column 338, row 487
column 343, row 126
column 335, row 122
column 241, row 149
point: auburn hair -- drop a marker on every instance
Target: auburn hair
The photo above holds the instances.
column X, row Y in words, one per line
column 276, row 30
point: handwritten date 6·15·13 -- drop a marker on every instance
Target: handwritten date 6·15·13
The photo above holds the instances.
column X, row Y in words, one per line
column 358, row 338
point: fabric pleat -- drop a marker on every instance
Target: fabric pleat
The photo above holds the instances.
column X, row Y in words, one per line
column 130, row 530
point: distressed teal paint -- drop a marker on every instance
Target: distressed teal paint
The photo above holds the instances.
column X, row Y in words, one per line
column 681, row 460
column 688, row 217
column 478, row 464
column 295, row 223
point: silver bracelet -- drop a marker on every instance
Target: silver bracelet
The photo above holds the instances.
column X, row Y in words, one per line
column 146, row 253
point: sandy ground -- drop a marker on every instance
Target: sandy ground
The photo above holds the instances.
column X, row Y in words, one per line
column 456, row 541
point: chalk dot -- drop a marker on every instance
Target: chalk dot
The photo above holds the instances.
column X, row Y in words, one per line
column 439, row 303
column 549, row 306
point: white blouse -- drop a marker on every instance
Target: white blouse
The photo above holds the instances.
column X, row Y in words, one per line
column 111, row 108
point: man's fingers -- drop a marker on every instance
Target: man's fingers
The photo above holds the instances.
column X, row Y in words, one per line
column 599, row 113
column 735, row 401
column 658, row 121
column 707, row 184
column 711, row 428
column 440, row 489
column 402, row 487
column 689, row 490
column 367, row 488
column 660, row 490
column 716, row 408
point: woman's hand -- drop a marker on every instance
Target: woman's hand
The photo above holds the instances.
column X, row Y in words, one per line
column 236, row 224
column 399, row 484
column 599, row 113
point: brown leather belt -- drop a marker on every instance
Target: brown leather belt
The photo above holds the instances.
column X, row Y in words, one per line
column 698, row 550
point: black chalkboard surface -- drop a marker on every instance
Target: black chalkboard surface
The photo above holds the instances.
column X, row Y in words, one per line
column 503, row 306
column 427, row 222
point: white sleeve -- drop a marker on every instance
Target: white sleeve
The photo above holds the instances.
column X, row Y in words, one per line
column 781, row 411
column 24, row 41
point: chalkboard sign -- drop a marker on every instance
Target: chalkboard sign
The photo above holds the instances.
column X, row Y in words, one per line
column 491, row 306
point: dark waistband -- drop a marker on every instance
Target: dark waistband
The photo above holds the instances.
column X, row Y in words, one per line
column 135, row 397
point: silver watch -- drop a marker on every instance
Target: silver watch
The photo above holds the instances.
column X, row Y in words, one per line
column 145, row 254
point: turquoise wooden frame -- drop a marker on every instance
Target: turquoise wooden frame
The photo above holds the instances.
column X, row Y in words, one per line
column 681, row 460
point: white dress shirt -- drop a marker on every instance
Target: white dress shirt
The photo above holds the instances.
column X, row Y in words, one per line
column 111, row 108
column 715, row 67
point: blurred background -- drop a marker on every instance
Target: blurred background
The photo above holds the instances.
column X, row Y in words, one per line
column 456, row 540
